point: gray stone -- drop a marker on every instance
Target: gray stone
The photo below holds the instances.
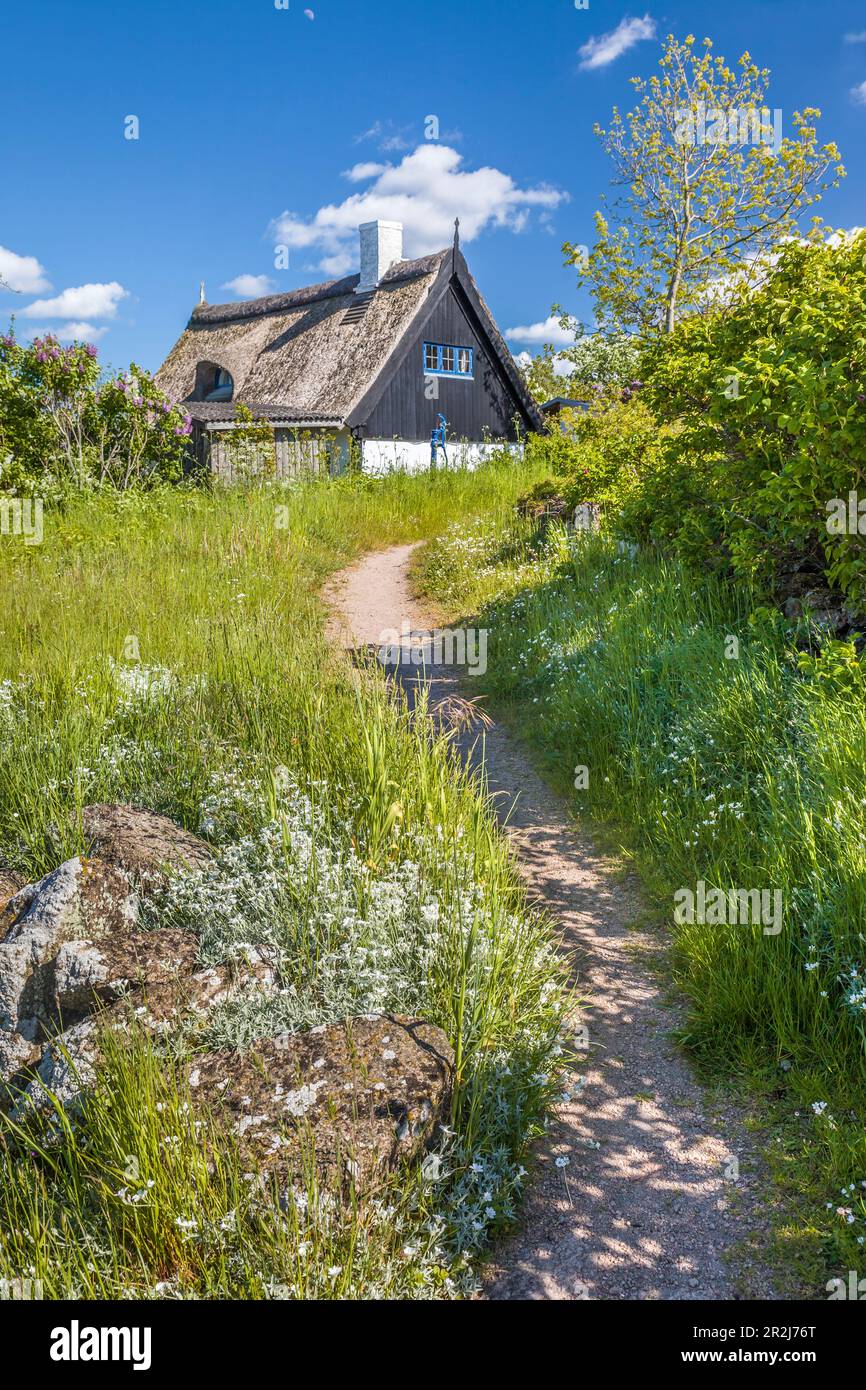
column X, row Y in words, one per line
column 80, row 899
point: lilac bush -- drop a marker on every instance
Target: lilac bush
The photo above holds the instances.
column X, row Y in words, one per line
column 63, row 422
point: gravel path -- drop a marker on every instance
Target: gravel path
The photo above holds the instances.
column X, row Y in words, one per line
column 644, row 1208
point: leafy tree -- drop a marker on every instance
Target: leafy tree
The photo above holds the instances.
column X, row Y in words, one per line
column 711, row 188
column 592, row 363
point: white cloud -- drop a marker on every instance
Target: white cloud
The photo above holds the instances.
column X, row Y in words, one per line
column 549, row 331
column 859, row 37
column 858, row 94
column 82, row 302
column 598, row 52
column 81, row 332
column 359, row 173
column 844, row 236
column 339, row 264
column 249, row 286
column 425, row 191
column 23, row 273
column 69, row 332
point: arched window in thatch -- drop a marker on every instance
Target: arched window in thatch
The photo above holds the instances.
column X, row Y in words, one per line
column 212, row 382
column 223, row 386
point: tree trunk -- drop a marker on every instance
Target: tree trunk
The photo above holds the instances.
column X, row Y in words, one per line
column 671, row 307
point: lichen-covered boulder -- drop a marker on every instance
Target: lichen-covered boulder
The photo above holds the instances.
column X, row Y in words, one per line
column 80, row 899
column 141, row 842
column 66, row 1063
column 361, row 1095
column 92, row 974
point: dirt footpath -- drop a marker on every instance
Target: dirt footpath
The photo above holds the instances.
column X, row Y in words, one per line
column 643, row 1207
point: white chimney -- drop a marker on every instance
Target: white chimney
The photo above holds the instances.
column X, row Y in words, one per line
column 381, row 247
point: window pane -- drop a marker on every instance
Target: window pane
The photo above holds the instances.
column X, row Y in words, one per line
column 447, row 359
column 431, row 357
column 464, row 360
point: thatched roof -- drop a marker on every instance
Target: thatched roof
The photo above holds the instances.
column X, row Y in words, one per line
column 293, row 351
column 221, row 412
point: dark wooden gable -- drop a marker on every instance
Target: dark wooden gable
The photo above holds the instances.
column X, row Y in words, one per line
column 493, row 403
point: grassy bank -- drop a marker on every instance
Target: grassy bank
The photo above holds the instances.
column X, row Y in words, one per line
column 716, row 755
column 167, row 650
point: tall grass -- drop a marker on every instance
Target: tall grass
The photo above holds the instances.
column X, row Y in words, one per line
column 168, row 650
column 717, row 759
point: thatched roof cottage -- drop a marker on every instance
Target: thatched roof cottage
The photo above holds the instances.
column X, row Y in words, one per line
column 366, row 365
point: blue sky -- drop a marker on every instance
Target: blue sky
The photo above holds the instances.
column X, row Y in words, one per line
column 257, row 124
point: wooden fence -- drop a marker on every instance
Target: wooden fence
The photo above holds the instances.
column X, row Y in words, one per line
column 290, row 455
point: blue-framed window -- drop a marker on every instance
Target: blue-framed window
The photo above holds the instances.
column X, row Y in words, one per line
column 446, row 359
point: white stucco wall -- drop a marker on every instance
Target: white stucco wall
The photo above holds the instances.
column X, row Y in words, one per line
column 396, row 455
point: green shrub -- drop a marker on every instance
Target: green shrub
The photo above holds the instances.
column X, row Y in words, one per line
column 769, row 407
column 61, row 425
column 599, row 454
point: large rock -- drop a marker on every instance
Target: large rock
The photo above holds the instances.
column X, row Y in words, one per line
column 141, row 842
column 67, row 1063
column 81, row 899
column 365, row 1094
column 93, row 974
column 18, row 1055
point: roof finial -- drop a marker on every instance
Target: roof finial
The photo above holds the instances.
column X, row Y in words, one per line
column 456, row 247
column 201, row 298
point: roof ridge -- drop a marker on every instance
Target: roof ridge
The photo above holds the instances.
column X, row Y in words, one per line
column 307, row 294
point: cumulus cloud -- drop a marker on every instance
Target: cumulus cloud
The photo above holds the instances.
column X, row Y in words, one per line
column 69, row 332
column 83, row 302
column 249, row 286
column 81, row 332
column 22, row 273
column 843, row 236
column 858, row 94
column 425, row 191
column 606, row 48
column 550, row 330
column 359, row 173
